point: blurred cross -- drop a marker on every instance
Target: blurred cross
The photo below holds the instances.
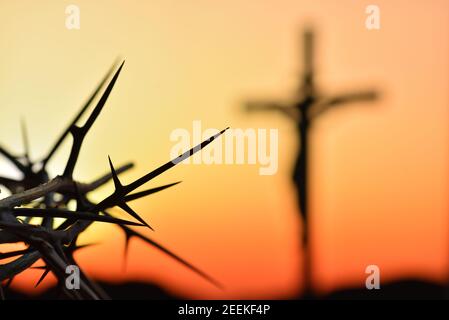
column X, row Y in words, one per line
column 307, row 107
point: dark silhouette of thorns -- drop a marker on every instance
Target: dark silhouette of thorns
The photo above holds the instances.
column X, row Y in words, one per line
column 36, row 195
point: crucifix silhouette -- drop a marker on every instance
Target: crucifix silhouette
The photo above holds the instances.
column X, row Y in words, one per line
column 308, row 106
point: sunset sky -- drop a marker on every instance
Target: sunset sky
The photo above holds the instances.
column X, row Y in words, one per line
column 380, row 171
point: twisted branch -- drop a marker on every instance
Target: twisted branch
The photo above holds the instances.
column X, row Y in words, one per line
column 38, row 196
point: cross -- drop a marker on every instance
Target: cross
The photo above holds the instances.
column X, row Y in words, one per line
column 307, row 107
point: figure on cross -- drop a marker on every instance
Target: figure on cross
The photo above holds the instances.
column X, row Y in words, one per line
column 308, row 106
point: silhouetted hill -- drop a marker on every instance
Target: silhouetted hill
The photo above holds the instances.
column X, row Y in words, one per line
column 403, row 289
column 410, row 289
column 122, row 291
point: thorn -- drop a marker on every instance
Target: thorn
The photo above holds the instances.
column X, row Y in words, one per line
column 26, row 144
column 78, row 138
column 132, row 186
column 128, row 209
column 8, row 284
column 117, row 184
column 148, row 192
column 126, row 249
column 79, row 115
column 43, row 276
column 39, row 267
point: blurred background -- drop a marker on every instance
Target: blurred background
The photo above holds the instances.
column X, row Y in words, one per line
column 379, row 171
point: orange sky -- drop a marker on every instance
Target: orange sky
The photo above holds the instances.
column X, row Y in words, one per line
column 379, row 176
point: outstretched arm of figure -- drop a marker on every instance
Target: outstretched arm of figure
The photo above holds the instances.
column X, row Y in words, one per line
column 326, row 104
